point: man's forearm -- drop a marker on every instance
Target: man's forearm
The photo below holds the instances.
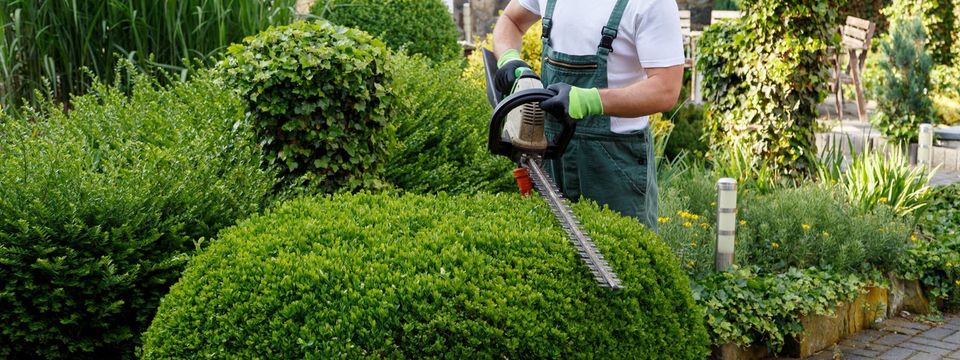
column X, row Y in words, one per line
column 506, row 35
column 658, row 93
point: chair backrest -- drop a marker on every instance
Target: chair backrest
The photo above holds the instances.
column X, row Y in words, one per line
column 723, row 15
column 685, row 21
column 857, row 33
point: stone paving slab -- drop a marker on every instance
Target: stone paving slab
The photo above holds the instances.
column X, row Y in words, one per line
column 901, row 339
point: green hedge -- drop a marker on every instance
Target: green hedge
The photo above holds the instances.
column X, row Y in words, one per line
column 319, row 95
column 442, row 131
column 100, row 207
column 939, row 18
column 488, row 276
column 421, row 26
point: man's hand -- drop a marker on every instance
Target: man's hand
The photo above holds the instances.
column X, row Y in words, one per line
column 573, row 102
column 509, row 67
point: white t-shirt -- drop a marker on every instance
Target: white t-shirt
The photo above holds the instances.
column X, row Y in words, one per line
column 649, row 37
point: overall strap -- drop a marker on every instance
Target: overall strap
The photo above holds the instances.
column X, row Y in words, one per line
column 610, row 31
column 548, row 19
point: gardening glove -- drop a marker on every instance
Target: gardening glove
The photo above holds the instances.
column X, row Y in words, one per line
column 573, row 102
column 509, row 68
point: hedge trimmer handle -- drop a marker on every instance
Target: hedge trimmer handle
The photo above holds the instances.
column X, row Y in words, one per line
column 499, row 146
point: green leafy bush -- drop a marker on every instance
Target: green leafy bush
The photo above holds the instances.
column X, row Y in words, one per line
column 942, row 218
column 687, row 135
column 748, row 309
column 902, row 102
column 801, row 227
column 53, row 41
column 764, row 76
column 421, row 26
column 442, row 130
column 319, row 95
column 934, row 258
column 946, row 93
column 487, row 276
column 939, row 22
column 101, row 207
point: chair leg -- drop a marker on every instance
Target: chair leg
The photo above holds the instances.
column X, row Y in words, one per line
column 855, row 73
column 838, row 88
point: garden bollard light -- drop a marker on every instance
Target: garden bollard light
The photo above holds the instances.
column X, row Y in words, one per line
column 925, row 146
column 467, row 23
column 726, row 222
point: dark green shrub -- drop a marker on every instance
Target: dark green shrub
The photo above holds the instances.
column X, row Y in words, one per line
column 319, row 95
column 689, row 125
column 939, row 19
column 810, row 226
column 764, row 76
column 903, row 103
column 100, row 207
column 421, row 26
column 442, row 130
column 488, row 276
column 55, row 40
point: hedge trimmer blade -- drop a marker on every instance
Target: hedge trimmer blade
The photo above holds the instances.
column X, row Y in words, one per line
column 602, row 273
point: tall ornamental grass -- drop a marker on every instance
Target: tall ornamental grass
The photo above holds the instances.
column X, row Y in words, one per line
column 46, row 44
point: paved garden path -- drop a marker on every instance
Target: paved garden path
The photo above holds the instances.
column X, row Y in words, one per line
column 901, row 339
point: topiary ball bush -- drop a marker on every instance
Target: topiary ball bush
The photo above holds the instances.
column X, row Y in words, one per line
column 485, row 276
column 420, row 26
column 319, row 95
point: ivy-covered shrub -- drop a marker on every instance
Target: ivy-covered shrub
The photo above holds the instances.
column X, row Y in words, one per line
column 101, row 207
column 421, row 26
column 319, row 95
column 810, row 226
column 488, row 276
column 750, row 309
column 939, row 22
column 903, row 102
column 764, row 76
column 442, row 131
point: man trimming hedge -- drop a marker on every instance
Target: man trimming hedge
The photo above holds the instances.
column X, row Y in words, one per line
column 612, row 62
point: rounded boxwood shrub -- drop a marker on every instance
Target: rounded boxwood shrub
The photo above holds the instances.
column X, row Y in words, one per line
column 420, row 26
column 486, row 276
column 101, row 206
column 319, row 95
column 442, row 131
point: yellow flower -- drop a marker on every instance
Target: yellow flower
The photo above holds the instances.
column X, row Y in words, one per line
column 913, row 237
column 743, row 222
column 704, row 225
column 826, row 234
column 775, row 245
column 713, row 203
column 693, row 244
column 663, row 220
column 805, row 226
column 957, row 282
column 687, row 224
column 949, row 264
column 691, row 263
column 883, row 200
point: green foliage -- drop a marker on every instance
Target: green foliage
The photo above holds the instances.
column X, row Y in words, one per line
column 946, row 93
column 688, row 129
column 442, row 130
column 50, row 42
column 869, row 10
column 902, row 102
column 421, row 26
column 100, row 208
column 319, row 95
column 939, row 21
column 747, row 308
column 877, row 178
column 788, row 228
column 488, row 276
column 764, row 76
column 936, row 263
column 942, row 218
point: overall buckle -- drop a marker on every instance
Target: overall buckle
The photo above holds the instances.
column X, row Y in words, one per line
column 609, row 34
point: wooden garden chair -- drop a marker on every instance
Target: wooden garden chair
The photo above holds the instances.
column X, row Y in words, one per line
column 857, row 34
column 690, row 53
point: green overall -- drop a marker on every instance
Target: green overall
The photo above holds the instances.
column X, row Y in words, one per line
column 617, row 170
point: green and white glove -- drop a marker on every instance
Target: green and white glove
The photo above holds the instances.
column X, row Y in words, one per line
column 509, row 68
column 573, row 102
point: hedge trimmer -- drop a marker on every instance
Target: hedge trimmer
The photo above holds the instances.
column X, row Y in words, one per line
column 517, row 132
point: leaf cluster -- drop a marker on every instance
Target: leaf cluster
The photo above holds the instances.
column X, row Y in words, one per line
column 903, row 102
column 422, row 27
column 100, row 208
column 445, row 276
column 939, row 19
column 764, row 75
column 319, row 95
